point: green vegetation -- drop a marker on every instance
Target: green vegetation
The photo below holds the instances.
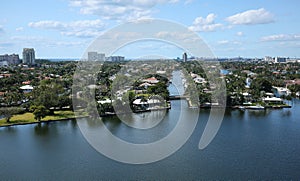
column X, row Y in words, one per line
column 30, row 118
column 119, row 84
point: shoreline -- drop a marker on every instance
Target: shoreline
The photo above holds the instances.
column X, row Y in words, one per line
column 141, row 111
column 42, row 121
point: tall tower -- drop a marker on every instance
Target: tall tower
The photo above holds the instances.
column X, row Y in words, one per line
column 28, row 56
column 184, row 57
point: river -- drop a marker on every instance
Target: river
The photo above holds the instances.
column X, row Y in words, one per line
column 249, row 145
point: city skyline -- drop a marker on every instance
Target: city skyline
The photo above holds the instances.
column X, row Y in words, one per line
column 65, row 28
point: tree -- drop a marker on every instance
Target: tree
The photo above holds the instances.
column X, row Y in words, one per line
column 48, row 94
column 39, row 112
column 8, row 112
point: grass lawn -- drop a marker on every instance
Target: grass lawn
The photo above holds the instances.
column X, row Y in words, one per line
column 29, row 118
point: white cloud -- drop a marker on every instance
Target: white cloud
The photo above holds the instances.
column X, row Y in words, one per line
column 282, row 37
column 184, row 36
column 240, row 33
column 19, row 29
column 205, row 24
column 117, row 9
column 43, row 41
column 251, row 17
column 73, row 25
column 188, row 2
column 228, row 42
column 84, row 28
column 223, row 42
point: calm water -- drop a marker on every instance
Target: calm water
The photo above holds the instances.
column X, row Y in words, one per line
column 249, row 145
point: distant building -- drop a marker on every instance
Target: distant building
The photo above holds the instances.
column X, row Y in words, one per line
column 92, row 56
column 9, row 59
column 95, row 56
column 280, row 60
column 28, row 56
column 101, row 57
column 184, row 57
column 116, row 58
column 268, row 59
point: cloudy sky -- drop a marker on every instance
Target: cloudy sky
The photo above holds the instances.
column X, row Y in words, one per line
column 65, row 28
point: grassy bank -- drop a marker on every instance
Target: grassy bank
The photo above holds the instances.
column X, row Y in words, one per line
column 29, row 118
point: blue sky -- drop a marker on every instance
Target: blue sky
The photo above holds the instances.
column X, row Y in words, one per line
column 65, row 28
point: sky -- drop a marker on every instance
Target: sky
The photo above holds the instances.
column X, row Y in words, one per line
column 65, row 28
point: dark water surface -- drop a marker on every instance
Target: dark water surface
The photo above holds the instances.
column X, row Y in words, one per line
column 249, row 145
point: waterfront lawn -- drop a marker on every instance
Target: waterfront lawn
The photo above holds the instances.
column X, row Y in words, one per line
column 29, row 118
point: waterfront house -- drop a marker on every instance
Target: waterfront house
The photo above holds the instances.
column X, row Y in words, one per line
column 273, row 100
column 281, row 91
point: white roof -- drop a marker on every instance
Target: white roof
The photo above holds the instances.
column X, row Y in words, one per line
column 246, row 94
column 105, row 101
column 26, row 87
column 272, row 99
column 151, row 101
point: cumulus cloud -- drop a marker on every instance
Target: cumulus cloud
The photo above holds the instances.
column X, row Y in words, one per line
column 251, row 17
column 282, row 37
column 83, row 28
column 205, row 24
column 117, row 9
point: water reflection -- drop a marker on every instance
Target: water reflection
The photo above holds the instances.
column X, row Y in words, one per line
column 9, row 129
column 286, row 113
column 257, row 113
column 41, row 129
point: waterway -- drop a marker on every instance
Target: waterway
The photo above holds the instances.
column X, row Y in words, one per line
column 256, row 145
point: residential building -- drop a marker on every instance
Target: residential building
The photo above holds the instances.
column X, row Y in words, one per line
column 12, row 59
column 268, row 59
column 184, row 57
column 28, row 56
column 92, row 56
column 280, row 60
column 95, row 56
column 116, row 58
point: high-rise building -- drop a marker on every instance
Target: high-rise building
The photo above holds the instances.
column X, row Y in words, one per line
column 280, row 60
column 116, row 58
column 28, row 56
column 184, row 57
column 94, row 56
column 10, row 59
column 101, row 57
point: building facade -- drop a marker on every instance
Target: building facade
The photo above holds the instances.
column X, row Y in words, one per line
column 184, row 57
column 9, row 59
column 116, row 58
column 28, row 56
column 95, row 56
